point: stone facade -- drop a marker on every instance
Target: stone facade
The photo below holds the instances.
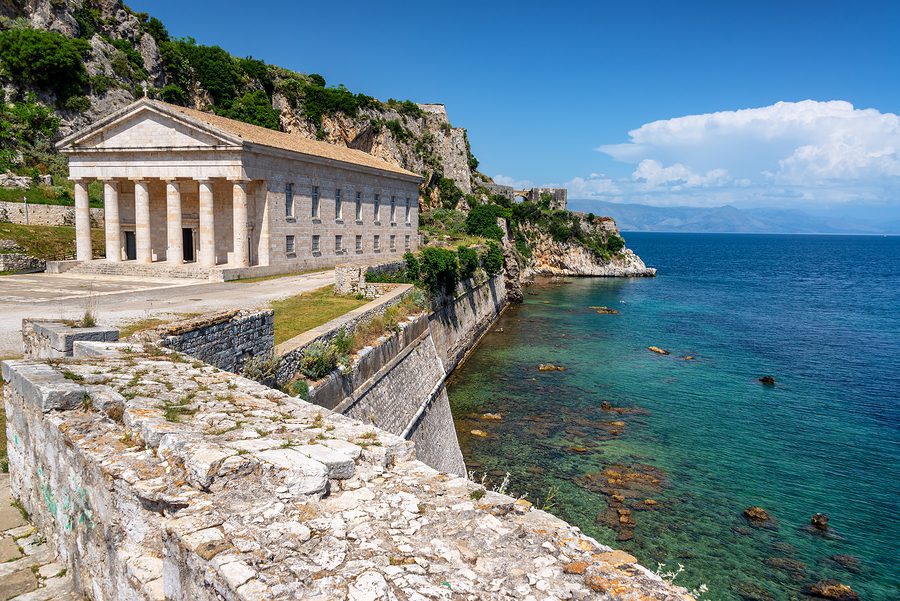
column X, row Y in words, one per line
column 49, row 339
column 56, row 215
column 182, row 186
column 558, row 196
column 225, row 340
column 14, row 262
column 350, row 279
column 159, row 479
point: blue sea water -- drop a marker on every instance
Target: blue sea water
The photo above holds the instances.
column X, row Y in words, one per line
column 819, row 313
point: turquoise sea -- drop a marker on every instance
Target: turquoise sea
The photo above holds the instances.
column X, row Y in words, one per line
column 666, row 466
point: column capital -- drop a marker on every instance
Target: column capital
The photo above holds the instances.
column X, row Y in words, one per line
column 81, row 180
column 239, row 181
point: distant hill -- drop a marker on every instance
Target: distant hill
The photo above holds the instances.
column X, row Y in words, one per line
column 730, row 219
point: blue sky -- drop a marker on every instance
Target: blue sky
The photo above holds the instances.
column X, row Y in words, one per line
column 550, row 91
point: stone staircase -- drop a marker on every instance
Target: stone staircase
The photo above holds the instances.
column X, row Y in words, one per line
column 152, row 270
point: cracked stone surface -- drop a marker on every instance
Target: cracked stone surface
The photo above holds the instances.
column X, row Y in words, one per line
column 214, row 486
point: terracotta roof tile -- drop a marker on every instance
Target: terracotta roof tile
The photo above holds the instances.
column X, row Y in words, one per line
column 284, row 141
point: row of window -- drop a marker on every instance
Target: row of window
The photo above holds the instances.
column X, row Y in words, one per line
column 290, row 244
column 339, row 208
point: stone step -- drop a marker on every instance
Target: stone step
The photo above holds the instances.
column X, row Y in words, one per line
column 103, row 267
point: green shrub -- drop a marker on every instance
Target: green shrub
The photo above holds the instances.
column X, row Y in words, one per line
column 298, row 388
column 27, row 131
column 101, row 84
column 79, row 104
column 154, row 27
column 89, row 21
column 413, row 268
column 440, row 270
column 615, row 243
column 262, row 369
column 316, row 79
column 468, row 261
column 397, row 130
column 449, row 192
column 258, row 71
column 254, row 108
column 45, row 59
column 318, row 360
column 407, row 108
column 128, row 63
column 493, row 259
column 174, row 94
column 482, row 221
column 448, row 222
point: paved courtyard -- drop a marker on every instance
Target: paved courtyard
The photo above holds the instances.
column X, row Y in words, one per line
column 118, row 300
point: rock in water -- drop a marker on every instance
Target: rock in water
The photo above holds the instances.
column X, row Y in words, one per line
column 605, row 310
column 657, row 350
column 768, row 380
column 479, row 433
column 757, row 514
column 550, row 367
column 832, row 589
column 820, row 521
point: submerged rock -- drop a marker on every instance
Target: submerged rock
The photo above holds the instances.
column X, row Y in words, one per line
column 491, row 417
column 749, row 591
column 794, row 568
column 479, row 433
column 757, row 514
column 846, row 562
column 832, row 589
column 657, row 350
column 767, row 380
column 819, row 521
column 605, row 310
column 606, row 406
column 550, row 367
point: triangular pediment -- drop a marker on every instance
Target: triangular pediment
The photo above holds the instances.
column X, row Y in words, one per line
column 145, row 126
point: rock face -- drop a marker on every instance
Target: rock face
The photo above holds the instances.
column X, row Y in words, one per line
column 550, row 257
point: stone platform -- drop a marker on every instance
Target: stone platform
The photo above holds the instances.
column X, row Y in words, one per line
column 153, row 476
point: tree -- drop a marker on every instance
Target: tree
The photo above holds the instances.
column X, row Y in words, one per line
column 440, row 270
column 46, row 60
column 468, row 261
column 254, row 108
column 493, row 259
column 482, row 221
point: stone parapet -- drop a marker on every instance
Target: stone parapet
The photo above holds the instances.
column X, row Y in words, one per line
column 159, row 479
column 49, row 339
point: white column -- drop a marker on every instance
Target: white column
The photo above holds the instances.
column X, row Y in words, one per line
column 265, row 239
column 175, row 242
column 142, row 222
column 82, row 221
column 207, row 256
column 111, row 216
column 241, row 229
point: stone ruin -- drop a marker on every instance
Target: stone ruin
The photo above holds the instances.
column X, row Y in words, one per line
column 156, row 476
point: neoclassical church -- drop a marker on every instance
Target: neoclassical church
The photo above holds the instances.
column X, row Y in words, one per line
column 186, row 189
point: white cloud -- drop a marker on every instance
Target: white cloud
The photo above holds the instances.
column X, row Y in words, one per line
column 809, row 152
column 518, row 184
column 594, row 186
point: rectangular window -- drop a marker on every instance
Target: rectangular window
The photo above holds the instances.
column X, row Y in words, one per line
column 359, row 206
column 393, row 245
column 315, row 243
column 408, row 207
column 289, row 200
column 406, row 242
column 338, row 210
column 358, row 243
column 376, row 243
column 338, row 244
column 377, row 207
column 315, row 202
column 289, row 245
column 393, row 209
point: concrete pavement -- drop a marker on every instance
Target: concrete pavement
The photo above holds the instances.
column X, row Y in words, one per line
column 118, row 300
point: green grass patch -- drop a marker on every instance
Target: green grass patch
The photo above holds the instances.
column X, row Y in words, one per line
column 297, row 314
column 141, row 325
column 52, row 243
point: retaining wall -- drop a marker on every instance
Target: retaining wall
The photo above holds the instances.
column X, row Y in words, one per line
column 14, row 212
column 226, row 340
column 20, row 262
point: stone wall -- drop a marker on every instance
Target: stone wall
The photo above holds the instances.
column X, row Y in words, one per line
column 51, row 339
column 14, row 212
column 225, row 340
column 156, row 478
column 350, row 278
column 459, row 321
column 20, row 262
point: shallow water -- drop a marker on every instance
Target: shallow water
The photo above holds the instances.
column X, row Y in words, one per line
column 820, row 313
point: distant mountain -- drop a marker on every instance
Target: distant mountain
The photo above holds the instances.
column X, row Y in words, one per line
column 728, row 219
